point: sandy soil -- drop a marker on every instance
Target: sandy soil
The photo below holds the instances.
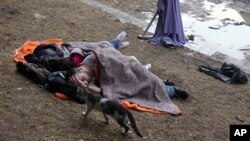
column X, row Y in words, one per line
column 29, row 113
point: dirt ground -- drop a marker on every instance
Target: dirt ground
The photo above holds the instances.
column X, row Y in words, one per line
column 29, row 113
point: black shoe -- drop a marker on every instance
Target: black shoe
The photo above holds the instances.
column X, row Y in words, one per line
column 168, row 83
column 179, row 93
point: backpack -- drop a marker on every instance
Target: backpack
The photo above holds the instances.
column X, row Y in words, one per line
column 235, row 73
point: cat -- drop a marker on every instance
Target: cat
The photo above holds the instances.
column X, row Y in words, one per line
column 108, row 107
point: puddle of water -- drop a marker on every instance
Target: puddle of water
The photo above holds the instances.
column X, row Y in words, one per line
column 222, row 31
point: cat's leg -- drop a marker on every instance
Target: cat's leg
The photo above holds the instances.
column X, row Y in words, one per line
column 106, row 118
column 122, row 123
column 89, row 108
column 127, row 121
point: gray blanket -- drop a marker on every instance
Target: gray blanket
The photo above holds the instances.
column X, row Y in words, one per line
column 124, row 78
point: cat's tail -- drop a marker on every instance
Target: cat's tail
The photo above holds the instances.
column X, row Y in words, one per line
column 133, row 124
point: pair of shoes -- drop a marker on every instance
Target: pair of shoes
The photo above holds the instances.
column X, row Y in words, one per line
column 182, row 94
column 120, row 38
column 168, row 83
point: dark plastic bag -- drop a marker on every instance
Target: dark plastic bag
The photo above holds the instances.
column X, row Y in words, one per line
column 236, row 74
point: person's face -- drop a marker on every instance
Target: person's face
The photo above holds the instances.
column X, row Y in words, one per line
column 82, row 76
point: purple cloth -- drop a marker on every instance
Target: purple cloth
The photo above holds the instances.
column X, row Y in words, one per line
column 169, row 29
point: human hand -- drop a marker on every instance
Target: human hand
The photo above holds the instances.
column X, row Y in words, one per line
column 77, row 82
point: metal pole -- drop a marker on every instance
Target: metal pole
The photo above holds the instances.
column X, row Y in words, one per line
column 153, row 18
column 144, row 33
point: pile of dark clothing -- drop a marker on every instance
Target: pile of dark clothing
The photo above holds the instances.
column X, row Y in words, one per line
column 228, row 73
column 47, row 67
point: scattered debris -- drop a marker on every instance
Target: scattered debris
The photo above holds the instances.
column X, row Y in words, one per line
column 215, row 28
column 242, row 49
column 38, row 16
column 189, row 54
column 236, row 117
column 247, row 47
column 190, row 37
column 19, row 88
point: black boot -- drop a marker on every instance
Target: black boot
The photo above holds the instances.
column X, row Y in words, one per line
column 179, row 93
column 168, row 83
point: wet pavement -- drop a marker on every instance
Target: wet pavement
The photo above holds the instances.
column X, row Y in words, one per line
column 223, row 33
column 220, row 27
